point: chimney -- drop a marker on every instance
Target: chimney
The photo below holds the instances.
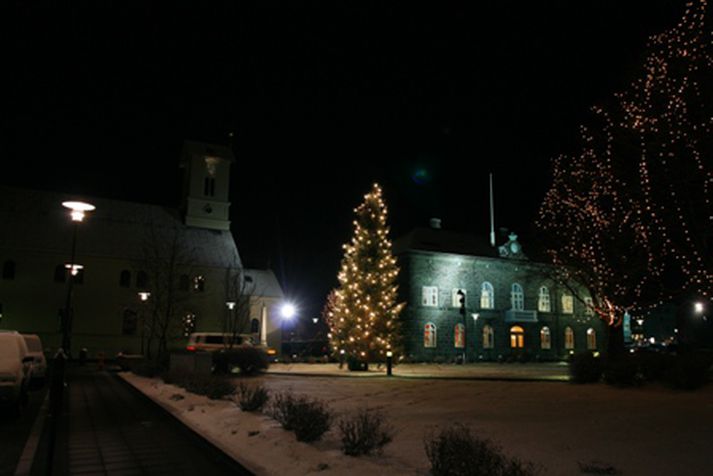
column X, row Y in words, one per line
column 436, row 223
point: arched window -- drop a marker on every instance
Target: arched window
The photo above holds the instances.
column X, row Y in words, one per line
column 459, row 336
column 567, row 304
column 254, row 326
column 142, row 280
column 60, row 274
column 517, row 297
column 517, row 337
column 568, row 338
column 545, row 338
column 543, row 300
column 488, row 337
column 125, row 279
column 129, row 323
column 429, row 335
column 487, row 296
column 8, row 270
column 591, row 339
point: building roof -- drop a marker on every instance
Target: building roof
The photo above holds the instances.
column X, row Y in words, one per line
column 36, row 221
column 444, row 241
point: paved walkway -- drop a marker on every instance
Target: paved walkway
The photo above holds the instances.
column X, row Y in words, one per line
column 110, row 429
column 557, row 372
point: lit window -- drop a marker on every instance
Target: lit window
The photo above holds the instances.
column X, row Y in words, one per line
column 429, row 335
column 543, row 300
column 488, row 337
column 430, row 296
column 487, row 296
column 199, row 284
column 591, row 339
column 545, row 338
column 568, row 338
column 456, row 297
column 588, row 306
column 517, row 337
column 567, row 304
column 8, row 270
column 517, row 297
column 459, row 336
column 125, row 279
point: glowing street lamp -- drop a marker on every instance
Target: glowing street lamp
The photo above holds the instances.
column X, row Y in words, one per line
column 230, row 304
column 78, row 209
column 288, row 311
column 698, row 307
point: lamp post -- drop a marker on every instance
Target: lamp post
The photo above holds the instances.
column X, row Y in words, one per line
column 143, row 297
column 77, row 213
column 288, row 312
column 461, row 298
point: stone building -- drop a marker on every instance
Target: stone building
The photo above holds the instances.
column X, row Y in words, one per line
column 126, row 249
column 467, row 299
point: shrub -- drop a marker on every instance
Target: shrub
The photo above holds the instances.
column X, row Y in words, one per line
column 364, row 432
column 147, row 368
column 251, row 398
column 585, row 368
column 248, row 359
column 688, row 371
column 173, row 377
column 653, row 365
column 309, row 419
column 209, row 385
column 621, row 371
column 455, row 451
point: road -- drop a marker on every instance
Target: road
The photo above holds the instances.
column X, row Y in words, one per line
column 15, row 430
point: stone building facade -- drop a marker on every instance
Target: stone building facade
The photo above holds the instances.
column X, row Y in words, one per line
column 116, row 244
column 468, row 300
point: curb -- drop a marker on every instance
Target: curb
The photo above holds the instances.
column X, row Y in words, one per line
column 564, row 379
column 243, row 467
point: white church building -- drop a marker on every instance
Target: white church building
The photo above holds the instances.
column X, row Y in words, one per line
column 129, row 251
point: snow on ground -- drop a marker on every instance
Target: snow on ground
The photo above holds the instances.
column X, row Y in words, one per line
column 643, row 431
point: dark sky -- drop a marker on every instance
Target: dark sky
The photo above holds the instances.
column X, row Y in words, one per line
column 323, row 98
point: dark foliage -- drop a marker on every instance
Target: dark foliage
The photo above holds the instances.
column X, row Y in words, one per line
column 251, row 398
column 622, row 371
column 309, row 419
column 585, row 368
column 688, row 371
column 364, row 432
column 455, row 451
column 211, row 386
column 249, row 359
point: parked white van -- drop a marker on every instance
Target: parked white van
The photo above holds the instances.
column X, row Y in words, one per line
column 34, row 349
column 15, row 370
column 216, row 341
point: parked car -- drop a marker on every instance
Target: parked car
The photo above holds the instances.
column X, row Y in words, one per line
column 34, row 349
column 216, row 341
column 15, row 370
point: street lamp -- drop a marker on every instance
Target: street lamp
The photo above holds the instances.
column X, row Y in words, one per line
column 143, row 297
column 461, row 298
column 77, row 213
column 288, row 312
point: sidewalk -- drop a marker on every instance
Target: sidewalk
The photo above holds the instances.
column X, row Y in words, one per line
column 110, row 429
column 549, row 372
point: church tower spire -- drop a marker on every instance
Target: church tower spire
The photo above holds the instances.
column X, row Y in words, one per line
column 206, row 182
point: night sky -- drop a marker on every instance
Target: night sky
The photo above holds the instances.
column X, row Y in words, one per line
column 322, row 99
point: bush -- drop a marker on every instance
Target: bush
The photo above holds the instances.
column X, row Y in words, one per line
column 248, row 359
column 209, row 385
column 364, row 432
column 585, row 368
column 688, row 371
column 173, row 377
column 653, row 365
column 147, row 368
column 252, row 398
column 621, row 371
column 309, row 419
column 455, row 451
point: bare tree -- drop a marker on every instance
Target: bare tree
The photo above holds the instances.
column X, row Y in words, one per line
column 239, row 289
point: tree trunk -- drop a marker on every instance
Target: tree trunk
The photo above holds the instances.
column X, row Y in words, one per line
column 615, row 341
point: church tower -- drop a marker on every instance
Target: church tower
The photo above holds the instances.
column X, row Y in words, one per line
column 206, row 180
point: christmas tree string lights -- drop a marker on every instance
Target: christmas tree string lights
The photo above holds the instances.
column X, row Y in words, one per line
column 630, row 216
column 363, row 311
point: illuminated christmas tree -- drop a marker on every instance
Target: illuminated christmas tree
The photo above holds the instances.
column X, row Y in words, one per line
column 630, row 215
column 363, row 312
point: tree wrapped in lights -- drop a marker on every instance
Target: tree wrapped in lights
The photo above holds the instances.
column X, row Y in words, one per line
column 363, row 312
column 630, row 216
